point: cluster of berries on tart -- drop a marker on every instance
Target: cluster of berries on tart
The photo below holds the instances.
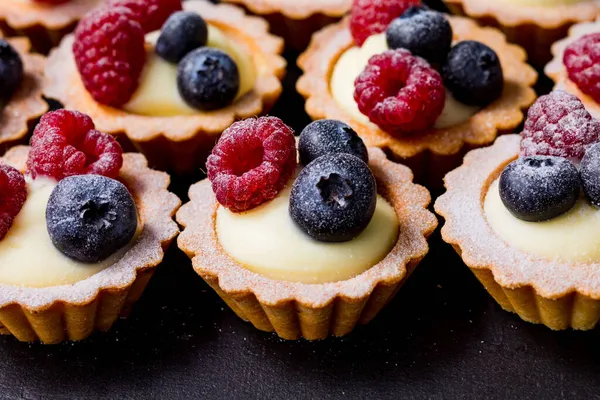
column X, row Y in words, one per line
column 110, row 53
column 403, row 90
column 581, row 59
column 560, row 156
column 332, row 198
column 90, row 214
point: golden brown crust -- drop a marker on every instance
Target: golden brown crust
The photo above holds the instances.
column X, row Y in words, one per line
column 75, row 310
column 25, row 14
column 296, row 9
column 501, row 116
column 540, row 290
column 27, row 104
column 556, row 70
column 546, row 16
column 295, row 309
column 534, row 28
column 64, row 84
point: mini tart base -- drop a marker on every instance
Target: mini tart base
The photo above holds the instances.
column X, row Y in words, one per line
column 73, row 312
column 534, row 28
column 44, row 25
column 432, row 153
column 181, row 143
column 558, row 295
column 27, row 104
column 296, row 20
column 557, row 71
column 312, row 311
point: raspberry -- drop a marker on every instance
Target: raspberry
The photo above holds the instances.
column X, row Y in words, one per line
column 110, row 54
column 252, row 162
column 65, row 143
column 13, row 194
column 151, row 14
column 582, row 59
column 559, row 125
column 369, row 17
column 399, row 92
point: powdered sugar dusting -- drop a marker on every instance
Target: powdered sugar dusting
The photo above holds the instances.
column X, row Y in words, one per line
column 467, row 228
column 559, row 125
column 156, row 206
column 199, row 240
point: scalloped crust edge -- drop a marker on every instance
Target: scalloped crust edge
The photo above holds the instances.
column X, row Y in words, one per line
column 312, row 311
column 295, row 21
column 181, row 143
column 44, row 25
column 433, row 156
column 526, row 28
column 52, row 315
column 531, row 301
column 27, row 104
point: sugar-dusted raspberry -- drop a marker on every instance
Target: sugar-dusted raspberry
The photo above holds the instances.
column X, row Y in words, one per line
column 399, row 92
column 252, row 162
column 13, row 194
column 110, row 55
column 151, row 14
column 559, row 125
column 582, row 60
column 65, row 143
column 369, row 17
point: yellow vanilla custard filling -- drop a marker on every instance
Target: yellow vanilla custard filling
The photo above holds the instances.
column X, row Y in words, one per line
column 354, row 60
column 267, row 241
column 28, row 257
column 157, row 93
column 571, row 237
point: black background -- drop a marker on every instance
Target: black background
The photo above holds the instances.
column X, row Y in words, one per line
column 441, row 337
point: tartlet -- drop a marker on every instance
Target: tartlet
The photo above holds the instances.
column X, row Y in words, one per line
column 557, row 71
column 44, row 24
column 312, row 311
column 178, row 143
column 533, row 27
column 72, row 312
column 294, row 20
column 432, row 153
column 27, row 104
column 540, row 290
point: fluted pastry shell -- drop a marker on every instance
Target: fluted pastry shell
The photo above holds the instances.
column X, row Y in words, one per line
column 178, row 143
column 73, row 312
column 432, row 153
column 297, row 20
column 557, row 294
column 27, row 104
column 534, row 28
column 44, row 24
column 557, row 71
column 312, row 311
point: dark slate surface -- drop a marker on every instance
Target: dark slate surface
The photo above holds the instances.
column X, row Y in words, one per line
column 441, row 337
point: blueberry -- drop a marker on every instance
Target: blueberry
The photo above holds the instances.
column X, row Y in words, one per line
column 539, row 188
column 11, row 71
column 329, row 136
column 473, row 73
column 183, row 32
column 424, row 33
column 333, row 198
column 90, row 217
column 590, row 174
column 208, row 79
